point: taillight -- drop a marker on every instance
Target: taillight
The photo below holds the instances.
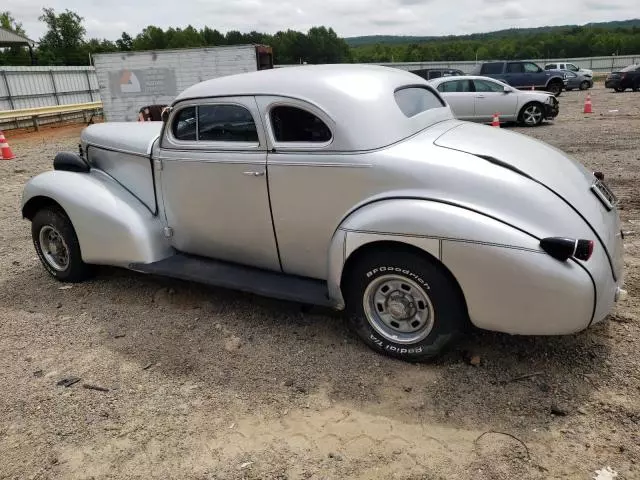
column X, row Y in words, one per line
column 564, row 248
column 584, row 250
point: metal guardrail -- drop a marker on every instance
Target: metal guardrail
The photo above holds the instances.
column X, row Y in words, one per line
column 37, row 112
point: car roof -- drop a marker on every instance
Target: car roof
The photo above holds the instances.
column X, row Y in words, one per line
column 438, row 81
column 359, row 99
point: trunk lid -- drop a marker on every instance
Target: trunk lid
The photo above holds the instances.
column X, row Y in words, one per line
column 562, row 174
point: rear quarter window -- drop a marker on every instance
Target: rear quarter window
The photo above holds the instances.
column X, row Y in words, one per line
column 492, row 68
column 415, row 100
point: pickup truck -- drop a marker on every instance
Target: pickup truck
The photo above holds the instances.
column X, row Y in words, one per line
column 524, row 75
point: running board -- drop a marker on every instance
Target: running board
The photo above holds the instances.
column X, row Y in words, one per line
column 239, row 277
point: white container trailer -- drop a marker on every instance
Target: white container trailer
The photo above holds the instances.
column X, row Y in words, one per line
column 130, row 81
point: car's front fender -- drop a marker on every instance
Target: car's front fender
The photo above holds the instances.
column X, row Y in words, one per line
column 509, row 283
column 113, row 226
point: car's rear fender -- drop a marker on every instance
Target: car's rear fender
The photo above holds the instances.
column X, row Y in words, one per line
column 112, row 225
column 509, row 283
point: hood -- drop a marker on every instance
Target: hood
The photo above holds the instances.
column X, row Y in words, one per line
column 130, row 137
column 542, row 163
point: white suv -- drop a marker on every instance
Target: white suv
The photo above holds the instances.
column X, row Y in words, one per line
column 569, row 66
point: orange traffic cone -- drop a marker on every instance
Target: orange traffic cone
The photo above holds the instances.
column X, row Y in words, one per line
column 496, row 120
column 5, row 149
column 588, row 108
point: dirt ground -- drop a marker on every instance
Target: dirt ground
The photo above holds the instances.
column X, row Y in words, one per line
column 211, row 384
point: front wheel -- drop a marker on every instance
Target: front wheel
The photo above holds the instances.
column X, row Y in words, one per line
column 531, row 115
column 619, row 89
column 57, row 245
column 584, row 85
column 404, row 305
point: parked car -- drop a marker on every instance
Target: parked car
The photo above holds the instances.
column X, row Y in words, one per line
column 628, row 77
column 569, row 67
column 477, row 99
column 526, row 75
column 346, row 186
column 430, row 73
column 578, row 81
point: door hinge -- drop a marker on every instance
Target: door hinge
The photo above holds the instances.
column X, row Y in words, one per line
column 168, row 232
column 158, row 164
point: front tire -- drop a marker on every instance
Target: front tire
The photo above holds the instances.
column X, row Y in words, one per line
column 531, row 114
column 619, row 89
column 584, row 85
column 57, row 246
column 404, row 305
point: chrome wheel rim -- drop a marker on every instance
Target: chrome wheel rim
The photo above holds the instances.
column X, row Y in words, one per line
column 398, row 309
column 532, row 115
column 54, row 248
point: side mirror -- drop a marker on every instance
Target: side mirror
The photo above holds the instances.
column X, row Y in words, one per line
column 507, row 89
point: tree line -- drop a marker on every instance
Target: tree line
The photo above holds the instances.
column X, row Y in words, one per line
column 65, row 43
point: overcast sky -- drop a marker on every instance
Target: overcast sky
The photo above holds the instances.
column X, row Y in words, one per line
column 109, row 18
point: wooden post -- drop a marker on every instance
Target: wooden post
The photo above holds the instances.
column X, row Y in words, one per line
column 36, row 123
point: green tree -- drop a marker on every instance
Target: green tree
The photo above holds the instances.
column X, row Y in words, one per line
column 125, row 42
column 63, row 42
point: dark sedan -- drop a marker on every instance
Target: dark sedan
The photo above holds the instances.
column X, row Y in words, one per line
column 628, row 77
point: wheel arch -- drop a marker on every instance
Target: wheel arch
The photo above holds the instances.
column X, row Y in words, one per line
column 37, row 203
column 397, row 246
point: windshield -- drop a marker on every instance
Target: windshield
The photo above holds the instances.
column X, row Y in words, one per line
column 630, row 68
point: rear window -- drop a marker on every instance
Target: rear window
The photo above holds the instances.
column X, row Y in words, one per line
column 630, row 68
column 415, row 100
column 491, row 68
column 551, row 66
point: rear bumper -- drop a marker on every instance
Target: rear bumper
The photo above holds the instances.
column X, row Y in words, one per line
column 612, row 83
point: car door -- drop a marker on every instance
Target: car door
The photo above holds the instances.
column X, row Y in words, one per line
column 491, row 98
column 460, row 96
column 214, row 184
column 533, row 75
column 514, row 74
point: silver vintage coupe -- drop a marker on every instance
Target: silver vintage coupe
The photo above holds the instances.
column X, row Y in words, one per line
column 348, row 186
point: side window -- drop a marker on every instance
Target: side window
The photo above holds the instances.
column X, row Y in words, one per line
column 292, row 124
column 487, row 86
column 185, row 125
column 435, row 74
column 551, row 66
column 415, row 100
column 455, row 86
column 491, row 69
column 226, row 123
column 514, row 68
column 572, row 67
column 531, row 68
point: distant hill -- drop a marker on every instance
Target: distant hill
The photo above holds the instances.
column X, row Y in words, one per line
column 511, row 32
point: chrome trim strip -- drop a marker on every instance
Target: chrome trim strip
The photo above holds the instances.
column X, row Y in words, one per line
column 449, row 239
column 319, row 164
column 200, row 160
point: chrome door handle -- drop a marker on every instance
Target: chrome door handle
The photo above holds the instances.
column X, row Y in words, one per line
column 254, row 174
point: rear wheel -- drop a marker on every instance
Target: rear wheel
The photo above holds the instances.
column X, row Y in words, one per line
column 555, row 88
column 531, row 114
column 404, row 304
column 57, row 245
column 619, row 89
